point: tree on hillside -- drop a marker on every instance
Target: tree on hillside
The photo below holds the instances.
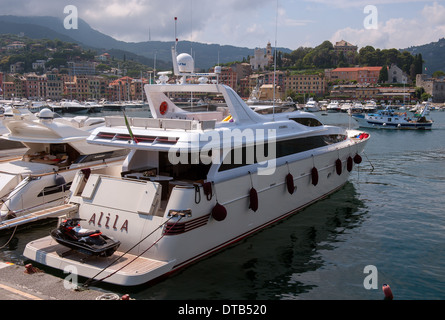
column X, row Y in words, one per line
column 383, row 75
column 418, row 63
column 367, row 56
column 438, row 74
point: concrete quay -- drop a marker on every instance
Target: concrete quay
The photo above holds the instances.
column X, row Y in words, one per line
column 17, row 284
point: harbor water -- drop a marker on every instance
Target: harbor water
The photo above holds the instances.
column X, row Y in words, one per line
column 385, row 226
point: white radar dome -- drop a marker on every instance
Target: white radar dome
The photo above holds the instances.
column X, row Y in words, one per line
column 185, row 63
column 46, row 114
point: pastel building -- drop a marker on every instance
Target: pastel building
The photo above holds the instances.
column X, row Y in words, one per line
column 261, row 59
column 363, row 75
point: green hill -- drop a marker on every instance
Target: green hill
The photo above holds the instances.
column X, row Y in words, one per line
column 433, row 54
column 206, row 55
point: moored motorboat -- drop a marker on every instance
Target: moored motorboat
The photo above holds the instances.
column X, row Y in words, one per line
column 391, row 119
column 113, row 106
column 194, row 183
column 333, row 106
column 311, row 106
column 93, row 107
column 73, row 107
column 57, row 148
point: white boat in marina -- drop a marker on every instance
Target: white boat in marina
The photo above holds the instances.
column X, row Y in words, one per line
column 73, row 106
column 37, row 106
column 370, row 106
column 57, row 150
column 346, row 107
column 424, row 107
column 333, row 106
column 391, row 119
column 93, row 107
column 311, row 106
column 113, row 106
column 193, row 183
column 134, row 104
column 357, row 107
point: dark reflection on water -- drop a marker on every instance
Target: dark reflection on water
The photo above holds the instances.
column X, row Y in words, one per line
column 262, row 266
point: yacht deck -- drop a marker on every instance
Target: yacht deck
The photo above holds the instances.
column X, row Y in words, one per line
column 128, row 270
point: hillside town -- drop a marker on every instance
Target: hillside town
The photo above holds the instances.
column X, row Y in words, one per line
column 84, row 76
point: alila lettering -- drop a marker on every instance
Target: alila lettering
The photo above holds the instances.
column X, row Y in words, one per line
column 124, row 226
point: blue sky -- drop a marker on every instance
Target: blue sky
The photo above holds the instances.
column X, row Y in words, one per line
column 252, row 23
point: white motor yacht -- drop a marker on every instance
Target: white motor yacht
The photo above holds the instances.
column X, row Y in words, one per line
column 311, row 106
column 194, row 183
column 73, row 107
column 57, row 149
column 333, row 106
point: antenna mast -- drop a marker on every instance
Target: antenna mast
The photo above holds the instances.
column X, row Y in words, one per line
column 176, row 38
column 275, row 62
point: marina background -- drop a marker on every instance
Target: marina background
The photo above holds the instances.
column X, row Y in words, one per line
column 389, row 215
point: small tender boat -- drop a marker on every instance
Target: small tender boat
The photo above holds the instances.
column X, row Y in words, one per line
column 91, row 242
column 390, row 119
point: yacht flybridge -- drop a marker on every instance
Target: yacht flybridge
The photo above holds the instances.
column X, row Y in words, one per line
column 195, row 182
column 41, row 178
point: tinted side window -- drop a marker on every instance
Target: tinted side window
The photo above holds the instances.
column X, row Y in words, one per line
column 308, row 122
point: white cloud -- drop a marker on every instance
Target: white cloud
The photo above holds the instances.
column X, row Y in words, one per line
column 362, row 3
column 198, row 20
column 434, row 14
column 284, row 20
column 251, row 23
column 399, row 33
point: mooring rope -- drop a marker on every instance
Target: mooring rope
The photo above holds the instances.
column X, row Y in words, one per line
column 10, row 238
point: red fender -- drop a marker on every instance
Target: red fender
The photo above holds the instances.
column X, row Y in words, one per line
column 338, row 166
column 387, row 291
column 219, row 213
column 314, row 173
column 349, row 164
column 357, row 159
column 253, row 199
column 290, row 183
